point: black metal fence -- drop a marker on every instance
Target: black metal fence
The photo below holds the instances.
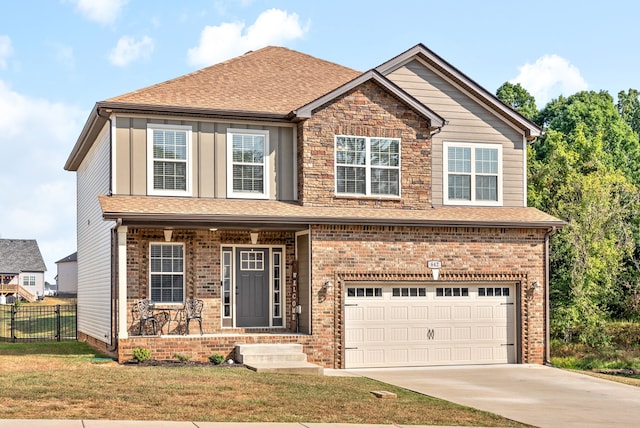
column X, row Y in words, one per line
column 27, row 323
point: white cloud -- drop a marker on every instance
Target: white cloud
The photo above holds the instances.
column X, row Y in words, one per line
column 224, row 41
column 549, row 77
column 5, row 50
column 103, row 12
column 128, row 50
column 36, row 136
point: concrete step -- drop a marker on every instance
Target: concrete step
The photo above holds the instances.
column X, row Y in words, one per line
column 271, row 357
column 292, row 367
column 274, row 348
column 276, row 358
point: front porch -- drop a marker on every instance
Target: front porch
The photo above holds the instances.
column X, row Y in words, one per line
column 200, row 348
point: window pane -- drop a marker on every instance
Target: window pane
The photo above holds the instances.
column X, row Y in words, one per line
column 351, row 180
column 350, row 151
column 385, row 182
column 486, row 161
column 248, row 178
column 248, row 163
column 166, row 269
column 486, row 188
column 385, row 152
column 459, row 159
column 460, row 187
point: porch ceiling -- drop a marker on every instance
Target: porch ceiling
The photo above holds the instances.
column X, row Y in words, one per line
column 201, row 212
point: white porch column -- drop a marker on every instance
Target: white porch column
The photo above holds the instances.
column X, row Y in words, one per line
column 122, row 283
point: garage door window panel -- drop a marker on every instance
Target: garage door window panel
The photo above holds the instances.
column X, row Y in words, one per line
column 452, row 292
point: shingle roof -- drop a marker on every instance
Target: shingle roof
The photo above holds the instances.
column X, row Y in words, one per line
column 20, row 255
column 70, row 258
column 236, row 211
column 271, row 80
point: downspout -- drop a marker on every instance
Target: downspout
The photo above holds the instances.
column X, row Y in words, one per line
column 114, row 287
column 547, row 235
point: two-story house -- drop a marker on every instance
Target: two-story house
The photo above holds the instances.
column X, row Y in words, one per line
column 22, row 270
column 377, row 218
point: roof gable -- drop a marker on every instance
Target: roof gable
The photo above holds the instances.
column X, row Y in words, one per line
column 20, row 255
column 436, row 62
column 435, row 120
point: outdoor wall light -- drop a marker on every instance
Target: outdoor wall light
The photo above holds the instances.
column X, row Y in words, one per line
column 328, row 284
column 535, row 283
column 168, row 233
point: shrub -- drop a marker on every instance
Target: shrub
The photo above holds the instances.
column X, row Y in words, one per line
column 624, row 334
column 141, row 354
column 216, row 359
column 183, row 358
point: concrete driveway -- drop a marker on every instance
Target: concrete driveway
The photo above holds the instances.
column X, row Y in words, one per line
column 533, row 394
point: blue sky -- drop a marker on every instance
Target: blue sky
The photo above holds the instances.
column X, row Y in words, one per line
column 59, row 57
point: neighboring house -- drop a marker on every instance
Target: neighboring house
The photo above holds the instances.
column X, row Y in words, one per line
column 378, row 218
column 67, row 277
column 22, row 268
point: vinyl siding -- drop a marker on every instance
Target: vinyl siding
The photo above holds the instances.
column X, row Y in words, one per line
column 468, row 121
column 68, row 277
column 208, row 157
column 38, row 288
column 94, row 243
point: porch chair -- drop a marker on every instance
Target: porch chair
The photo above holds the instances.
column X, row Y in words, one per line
column 146, row 314
column 193, row 309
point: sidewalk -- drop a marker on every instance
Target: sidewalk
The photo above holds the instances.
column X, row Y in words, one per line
column 86, row 423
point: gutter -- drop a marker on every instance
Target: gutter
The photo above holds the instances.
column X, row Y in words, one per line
column 192, row 111
column 234, row 220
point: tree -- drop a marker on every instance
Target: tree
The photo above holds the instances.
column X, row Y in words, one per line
column 629, row 108
column 585, row 170
column 598, row 115
column 519, row 99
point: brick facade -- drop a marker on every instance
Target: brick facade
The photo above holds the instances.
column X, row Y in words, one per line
column 397, row 254
column 367, row 111
column 346, row 254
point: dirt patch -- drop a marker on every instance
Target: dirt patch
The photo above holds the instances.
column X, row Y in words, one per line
column 175, row 363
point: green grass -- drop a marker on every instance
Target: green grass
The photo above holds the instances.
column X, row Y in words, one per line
column 60, row 381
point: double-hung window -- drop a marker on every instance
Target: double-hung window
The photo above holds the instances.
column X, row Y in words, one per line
column 166, row 269
column 367, row 166
column 29, row 280
column 473, row 174
column 247, row 160
column 169, row 170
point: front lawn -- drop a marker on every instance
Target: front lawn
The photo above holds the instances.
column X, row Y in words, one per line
column 64, row 381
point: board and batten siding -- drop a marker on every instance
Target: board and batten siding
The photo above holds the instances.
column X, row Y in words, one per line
column 94, row 242
column 208, row 157
column 468, row 121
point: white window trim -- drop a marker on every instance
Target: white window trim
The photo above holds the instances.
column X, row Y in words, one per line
column 150, row 159
column 445, row 174
column 184, row 279
column 28, row 278
column 367, row 166
column 265, row 164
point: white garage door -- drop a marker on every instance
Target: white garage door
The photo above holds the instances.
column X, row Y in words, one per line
column 399, row 325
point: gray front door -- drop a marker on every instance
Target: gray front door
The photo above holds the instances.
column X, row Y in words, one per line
column 252, row 287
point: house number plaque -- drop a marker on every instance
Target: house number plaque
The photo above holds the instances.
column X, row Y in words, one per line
column 294, row 290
